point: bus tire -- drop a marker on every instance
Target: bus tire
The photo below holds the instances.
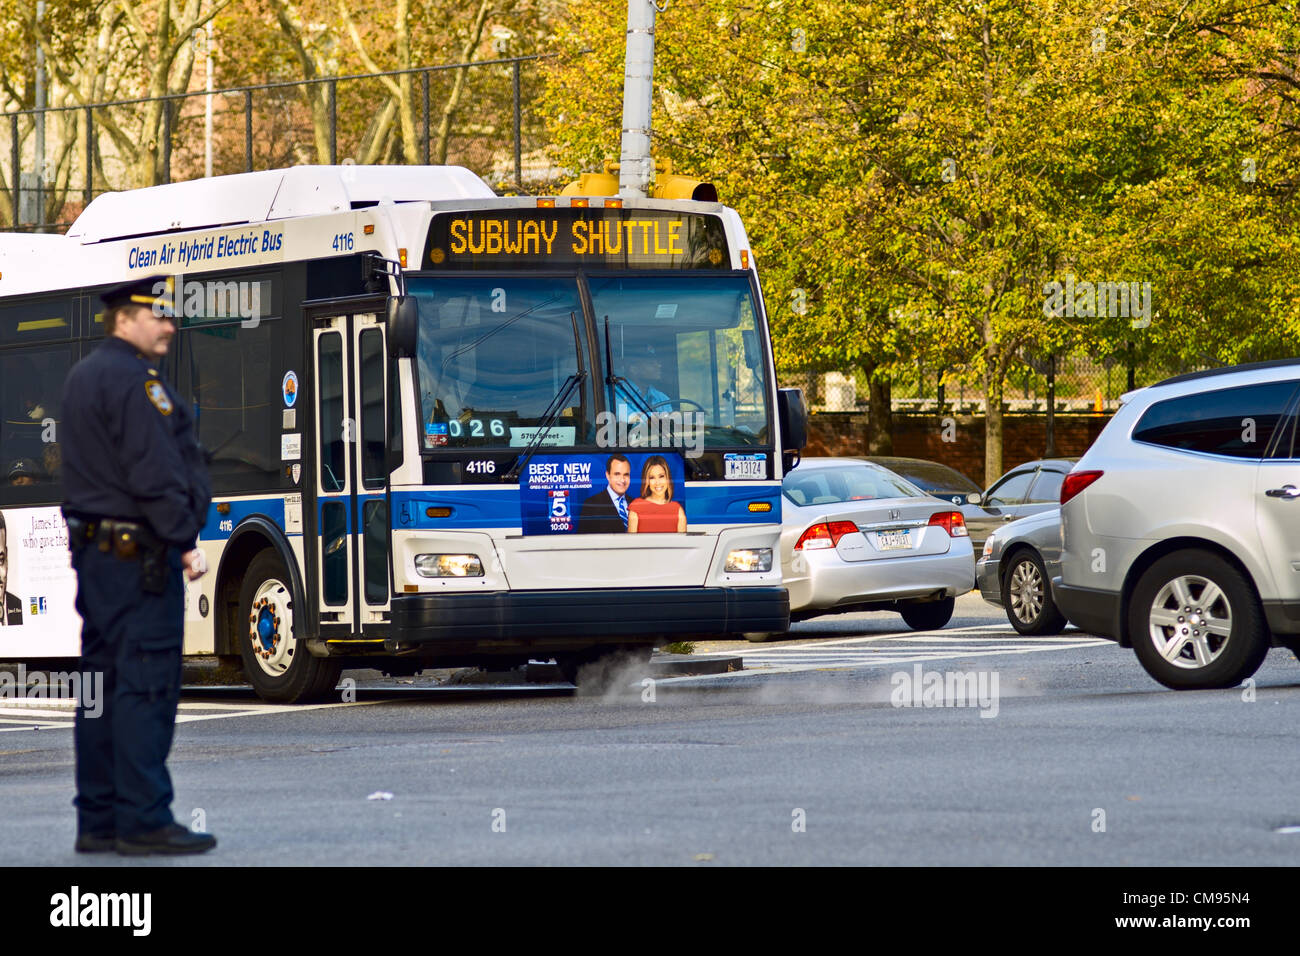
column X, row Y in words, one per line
column 275, row 661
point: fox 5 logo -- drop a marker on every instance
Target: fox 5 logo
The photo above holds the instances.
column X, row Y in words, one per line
column 559, row 504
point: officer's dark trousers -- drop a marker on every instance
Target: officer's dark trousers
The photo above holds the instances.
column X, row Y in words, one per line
column 133, row 639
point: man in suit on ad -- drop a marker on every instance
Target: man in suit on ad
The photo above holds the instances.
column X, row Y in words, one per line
column 605, row 512
column 11, row 605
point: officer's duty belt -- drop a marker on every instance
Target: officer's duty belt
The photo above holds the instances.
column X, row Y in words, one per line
column 127, row 540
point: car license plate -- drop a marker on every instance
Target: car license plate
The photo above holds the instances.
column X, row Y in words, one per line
column 893, row 540
column 745, row 466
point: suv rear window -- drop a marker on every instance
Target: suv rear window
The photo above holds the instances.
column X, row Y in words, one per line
column 1236, row 422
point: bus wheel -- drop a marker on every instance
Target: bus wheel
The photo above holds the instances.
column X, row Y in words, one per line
column 275, row 661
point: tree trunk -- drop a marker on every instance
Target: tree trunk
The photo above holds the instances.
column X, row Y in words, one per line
column 880, row 431
column 992, row 423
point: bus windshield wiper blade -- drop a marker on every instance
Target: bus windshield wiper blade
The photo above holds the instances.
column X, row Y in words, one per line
column 634, row 394
column 546, row 422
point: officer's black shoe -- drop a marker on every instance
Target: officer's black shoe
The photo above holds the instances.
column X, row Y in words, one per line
column 171, row 840
column 95, row 843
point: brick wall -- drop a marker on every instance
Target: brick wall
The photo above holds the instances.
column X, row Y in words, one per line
column 922, row 436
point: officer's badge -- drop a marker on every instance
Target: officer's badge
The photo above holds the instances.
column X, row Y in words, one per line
column 158, row 395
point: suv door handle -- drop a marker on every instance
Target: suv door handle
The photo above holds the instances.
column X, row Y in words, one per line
column 1286, row 491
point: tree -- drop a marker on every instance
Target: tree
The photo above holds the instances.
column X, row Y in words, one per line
column 917, row 174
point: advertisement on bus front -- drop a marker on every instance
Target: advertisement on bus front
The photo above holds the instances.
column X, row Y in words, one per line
column 604, row 494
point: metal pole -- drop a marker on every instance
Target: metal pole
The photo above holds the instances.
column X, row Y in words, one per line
column 248, row 130
column 16, row 168
column 40, row 119
column 635, row 164
column 167, row 141
column 334, row 122
column 207, row 104
column 424, row 90
column 89, row 193
column 519, row 174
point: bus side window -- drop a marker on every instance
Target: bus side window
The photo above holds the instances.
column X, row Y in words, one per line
column 31, row 387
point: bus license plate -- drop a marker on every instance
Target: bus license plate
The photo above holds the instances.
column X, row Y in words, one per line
column 745, row 466
column 893, row 540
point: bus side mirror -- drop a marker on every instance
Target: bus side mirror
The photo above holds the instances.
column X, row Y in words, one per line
column 792, row 414
column 403, row 326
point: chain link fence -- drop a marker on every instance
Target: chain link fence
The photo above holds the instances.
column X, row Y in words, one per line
column 53, row 162
column 1078, row 382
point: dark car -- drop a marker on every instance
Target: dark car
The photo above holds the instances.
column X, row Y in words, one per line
column 943, row 482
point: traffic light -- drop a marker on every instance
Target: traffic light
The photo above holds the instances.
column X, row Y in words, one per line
column 594, row 184
column 670, row 186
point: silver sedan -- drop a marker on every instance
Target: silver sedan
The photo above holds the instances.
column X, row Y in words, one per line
column 857, row 537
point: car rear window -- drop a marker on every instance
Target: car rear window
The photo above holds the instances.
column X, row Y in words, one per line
column 824, row 486
column 1236, row 422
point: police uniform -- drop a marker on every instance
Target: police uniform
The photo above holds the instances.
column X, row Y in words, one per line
column 136, row 495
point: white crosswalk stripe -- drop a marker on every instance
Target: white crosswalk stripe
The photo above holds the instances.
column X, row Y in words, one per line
column 36, row 713
column 890, row 650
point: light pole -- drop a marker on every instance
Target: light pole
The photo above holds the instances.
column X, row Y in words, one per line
column 635, row 165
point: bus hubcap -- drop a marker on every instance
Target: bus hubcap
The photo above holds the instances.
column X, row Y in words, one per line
column 270, row 628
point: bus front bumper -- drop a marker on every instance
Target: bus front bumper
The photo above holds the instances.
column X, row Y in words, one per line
column 559, row 619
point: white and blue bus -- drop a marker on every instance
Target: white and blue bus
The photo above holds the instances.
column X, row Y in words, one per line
column 433, row 415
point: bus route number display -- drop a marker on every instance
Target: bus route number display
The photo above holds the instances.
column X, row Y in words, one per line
column 561, row 238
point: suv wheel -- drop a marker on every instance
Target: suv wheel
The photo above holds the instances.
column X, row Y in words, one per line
column 1195, row 622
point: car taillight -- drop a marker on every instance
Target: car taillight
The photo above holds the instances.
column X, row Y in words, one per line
column 1075, row 482
column 952, row 522
column 824, row 535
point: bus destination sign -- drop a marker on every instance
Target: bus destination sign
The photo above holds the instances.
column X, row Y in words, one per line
column 565, row 238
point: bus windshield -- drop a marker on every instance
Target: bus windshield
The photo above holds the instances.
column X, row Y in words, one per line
column 496, row 355
column 685, row 343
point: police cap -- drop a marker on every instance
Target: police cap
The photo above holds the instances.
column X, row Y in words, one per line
column 156, row 292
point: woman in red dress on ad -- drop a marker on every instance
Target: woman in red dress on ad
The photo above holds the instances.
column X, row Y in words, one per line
column 655, row 510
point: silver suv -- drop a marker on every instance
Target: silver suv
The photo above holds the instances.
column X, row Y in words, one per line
column 1181, row 529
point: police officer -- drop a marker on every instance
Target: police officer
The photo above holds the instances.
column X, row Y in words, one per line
column 137, row 493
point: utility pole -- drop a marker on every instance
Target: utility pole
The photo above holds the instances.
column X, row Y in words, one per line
column 207, row 106
column 635, row 165
column 40, row 119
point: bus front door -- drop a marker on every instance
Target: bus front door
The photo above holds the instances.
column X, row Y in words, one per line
column 351, row 479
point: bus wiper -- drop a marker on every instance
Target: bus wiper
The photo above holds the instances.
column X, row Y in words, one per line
column 630, row 390
column 633, row 393
column 546, row 423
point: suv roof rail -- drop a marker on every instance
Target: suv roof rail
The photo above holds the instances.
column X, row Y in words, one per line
column 1210, row 373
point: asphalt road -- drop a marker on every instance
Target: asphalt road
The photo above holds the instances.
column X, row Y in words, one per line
column 805, row 760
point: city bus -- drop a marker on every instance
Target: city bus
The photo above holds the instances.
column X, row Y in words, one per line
column 434, row 418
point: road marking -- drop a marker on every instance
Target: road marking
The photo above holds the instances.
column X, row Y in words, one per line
column 864, row 652
column 63, row 712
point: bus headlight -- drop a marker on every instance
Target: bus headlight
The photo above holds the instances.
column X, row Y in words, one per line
column 448, row 565
column 749, row 559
